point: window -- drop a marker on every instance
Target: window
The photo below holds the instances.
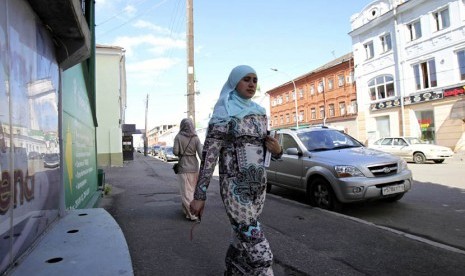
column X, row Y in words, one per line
column 273, row 102
column 441, row 19
column 288, row 118
column 352, row 107
column 414, row 30
column 288, row 142
column 321, row 87
column 294, row 119
column 386, row 42
column 301, row 93
column 461, row 60
column 301, row 116
column 331, row 110
column 281, row 119
column 322, row 111
column 313, row 112
column 287, row 97
column 340, row 80
column 342, row 108
column 312, row 89
column 292, row 95
column 275, row 120
column 381, row 87
column 330, row 83
column 369, row 50
column 425, row 74
column 280, row 99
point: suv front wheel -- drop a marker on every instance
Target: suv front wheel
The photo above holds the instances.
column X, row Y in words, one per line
column 321, row 195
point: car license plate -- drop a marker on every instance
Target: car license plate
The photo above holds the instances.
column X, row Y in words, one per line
column 389, row 190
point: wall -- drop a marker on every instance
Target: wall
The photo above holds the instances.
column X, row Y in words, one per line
column 79, row 160
column 110, row 104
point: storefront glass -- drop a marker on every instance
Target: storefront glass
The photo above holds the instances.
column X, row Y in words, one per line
column 425, row 120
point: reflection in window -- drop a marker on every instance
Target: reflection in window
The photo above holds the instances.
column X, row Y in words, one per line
column 381, row 87
column 425, row 74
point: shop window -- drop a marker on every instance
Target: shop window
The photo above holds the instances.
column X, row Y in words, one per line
column 381, row 87
column 425, row 74
column 426, row 125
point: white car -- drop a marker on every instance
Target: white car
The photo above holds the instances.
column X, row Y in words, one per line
column 413, row 149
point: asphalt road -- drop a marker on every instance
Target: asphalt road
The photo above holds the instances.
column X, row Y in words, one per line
column 305, row 241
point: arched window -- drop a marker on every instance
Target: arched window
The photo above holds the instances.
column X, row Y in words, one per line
column 381, row 87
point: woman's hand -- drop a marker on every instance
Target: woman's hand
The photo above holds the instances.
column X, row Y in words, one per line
column 196, row 207
column 272, row 145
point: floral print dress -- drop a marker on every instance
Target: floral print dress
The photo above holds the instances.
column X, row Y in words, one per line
column 240, row 148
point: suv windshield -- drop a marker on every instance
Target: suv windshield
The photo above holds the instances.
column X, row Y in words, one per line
column 327, row 139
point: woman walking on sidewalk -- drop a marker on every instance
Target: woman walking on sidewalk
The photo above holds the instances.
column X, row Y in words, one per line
column 237, row 137
column 187, row 146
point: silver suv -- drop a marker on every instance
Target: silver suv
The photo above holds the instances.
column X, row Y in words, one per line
column 333, row 168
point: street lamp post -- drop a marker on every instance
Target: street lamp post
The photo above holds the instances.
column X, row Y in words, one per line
column 295, row 96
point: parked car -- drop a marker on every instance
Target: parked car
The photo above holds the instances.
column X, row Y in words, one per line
column 168, row 155
column 413, row 149
column 333, row 168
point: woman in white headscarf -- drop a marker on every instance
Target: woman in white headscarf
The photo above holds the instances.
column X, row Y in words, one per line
column 237, row 137
column 187, row 146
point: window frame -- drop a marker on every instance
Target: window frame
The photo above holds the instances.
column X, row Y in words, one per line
column 414, row 30
column 369, row 50
column 439, row 19
column 425, row 75
column 386, row 42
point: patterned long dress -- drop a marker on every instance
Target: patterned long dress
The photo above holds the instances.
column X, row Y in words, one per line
column 240, row 148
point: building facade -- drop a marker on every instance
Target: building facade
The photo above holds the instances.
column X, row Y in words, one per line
column 326, row 95
column 409, row 59
column 111, row 104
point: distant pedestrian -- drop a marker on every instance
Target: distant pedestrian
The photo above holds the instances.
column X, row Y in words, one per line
column 187, row 147
column 237, row 137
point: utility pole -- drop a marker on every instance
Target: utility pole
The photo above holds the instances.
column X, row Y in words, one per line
column 145, row 132
column 190, row 62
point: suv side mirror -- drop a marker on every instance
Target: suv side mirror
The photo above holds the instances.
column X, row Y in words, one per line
column 293, row 151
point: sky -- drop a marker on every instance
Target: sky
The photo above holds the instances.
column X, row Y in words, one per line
column 293, row 36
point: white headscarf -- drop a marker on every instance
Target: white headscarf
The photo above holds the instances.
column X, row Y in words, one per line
column 230, row 104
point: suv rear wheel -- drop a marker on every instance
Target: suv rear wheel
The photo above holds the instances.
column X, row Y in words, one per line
column 321, row 195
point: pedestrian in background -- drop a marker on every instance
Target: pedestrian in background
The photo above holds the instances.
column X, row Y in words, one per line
column 187, row 147
column 237, row 137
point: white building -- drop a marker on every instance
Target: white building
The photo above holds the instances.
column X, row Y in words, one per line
column 409, row 58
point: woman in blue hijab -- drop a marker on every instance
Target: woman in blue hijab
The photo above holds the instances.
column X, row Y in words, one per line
column 237, row 138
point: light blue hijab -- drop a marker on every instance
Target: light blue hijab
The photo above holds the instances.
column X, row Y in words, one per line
column 230, row 104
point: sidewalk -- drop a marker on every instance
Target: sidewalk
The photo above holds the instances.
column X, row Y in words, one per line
column 305, row 241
